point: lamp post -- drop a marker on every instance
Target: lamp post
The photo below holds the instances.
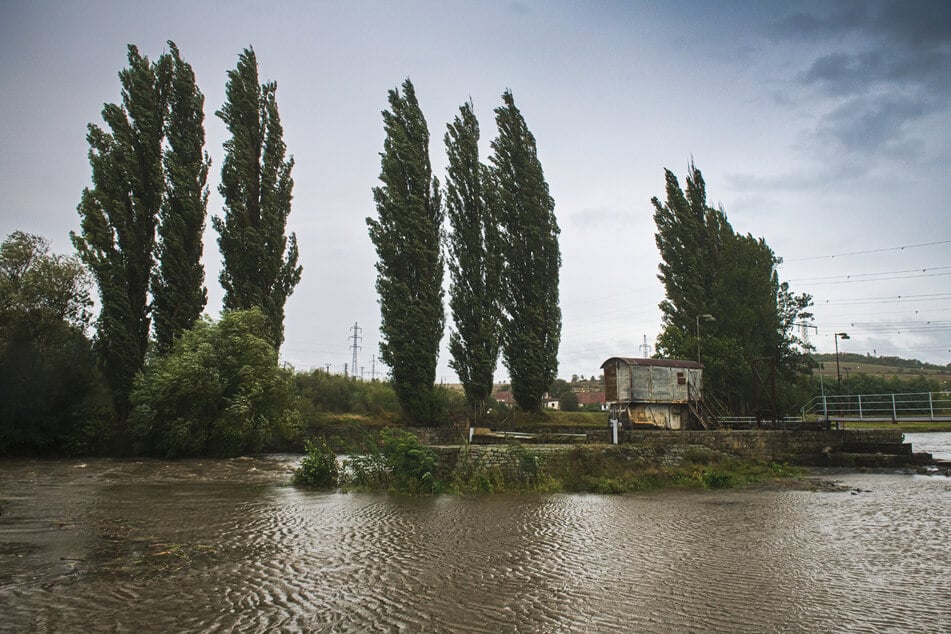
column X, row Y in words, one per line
column 706, row 317
column 838, row 375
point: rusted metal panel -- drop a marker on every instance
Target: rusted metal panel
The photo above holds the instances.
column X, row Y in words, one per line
column 663, row 415
column 652, row 380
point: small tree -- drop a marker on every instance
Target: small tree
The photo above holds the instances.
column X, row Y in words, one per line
column 52, row 398
column 568, row 401
column 219, row 391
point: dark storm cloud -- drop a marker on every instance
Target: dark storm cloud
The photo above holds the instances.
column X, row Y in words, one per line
column 885, row 66
column 873, row 125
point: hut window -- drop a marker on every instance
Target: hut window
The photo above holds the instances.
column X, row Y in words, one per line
column 681, row 379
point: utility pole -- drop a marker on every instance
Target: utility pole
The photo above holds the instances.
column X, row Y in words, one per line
column 356, row 337
column 373, row 368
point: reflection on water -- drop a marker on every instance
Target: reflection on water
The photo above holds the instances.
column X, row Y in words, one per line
column 937, row 444
column 220, row 545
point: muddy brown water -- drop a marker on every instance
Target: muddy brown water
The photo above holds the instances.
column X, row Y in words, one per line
column 227, row 545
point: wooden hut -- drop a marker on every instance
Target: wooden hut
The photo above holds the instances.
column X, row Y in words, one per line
column 656, row 393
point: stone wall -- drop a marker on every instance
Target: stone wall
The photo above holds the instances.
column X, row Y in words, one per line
column 768, row 444
column 666, row 448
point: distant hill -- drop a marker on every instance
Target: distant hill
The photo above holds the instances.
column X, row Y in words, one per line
column 889, row 367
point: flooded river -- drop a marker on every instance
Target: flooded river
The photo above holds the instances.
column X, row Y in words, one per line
column 142, row 546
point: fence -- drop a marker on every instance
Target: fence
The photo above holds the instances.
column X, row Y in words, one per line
column 920, row 406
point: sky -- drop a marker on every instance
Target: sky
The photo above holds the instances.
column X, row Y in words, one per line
column 822, row 127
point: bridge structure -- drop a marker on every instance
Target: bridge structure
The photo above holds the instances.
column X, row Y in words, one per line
column 887, row 408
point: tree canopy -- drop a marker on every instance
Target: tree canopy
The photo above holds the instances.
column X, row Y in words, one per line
column 178, row 291
column 219, row 391
column 260, row 266
column 474, row 260
column 53, row 399
column 118, row 218
column 406, row 234
column 723, row 297
column 532, row 259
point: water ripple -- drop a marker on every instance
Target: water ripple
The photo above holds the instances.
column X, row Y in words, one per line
column 205, row 545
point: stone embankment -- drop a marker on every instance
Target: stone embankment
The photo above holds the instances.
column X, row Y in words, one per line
column 882, row 448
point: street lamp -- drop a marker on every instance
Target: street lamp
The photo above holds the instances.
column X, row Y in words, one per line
column 706, row 317
column 838, row 375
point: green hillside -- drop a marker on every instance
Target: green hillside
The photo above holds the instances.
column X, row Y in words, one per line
column 883, row 367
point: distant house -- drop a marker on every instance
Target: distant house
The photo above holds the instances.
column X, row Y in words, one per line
column 660, row 393
column 592, row 398
column 504, row 396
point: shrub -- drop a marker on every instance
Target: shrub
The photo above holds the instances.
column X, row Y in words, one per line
column 319, row 467
column 398, row 463
column 219, row 391
column 412, row 466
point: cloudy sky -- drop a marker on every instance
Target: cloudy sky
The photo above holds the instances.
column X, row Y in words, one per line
column 823, row 127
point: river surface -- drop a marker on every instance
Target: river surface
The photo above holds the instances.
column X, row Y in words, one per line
column 227, row 545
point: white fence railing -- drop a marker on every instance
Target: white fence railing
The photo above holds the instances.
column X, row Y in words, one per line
column 925, row 406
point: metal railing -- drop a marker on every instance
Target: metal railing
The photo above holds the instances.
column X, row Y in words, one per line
column 919, row 406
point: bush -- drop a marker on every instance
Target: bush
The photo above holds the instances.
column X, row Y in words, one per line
column 399, row 463
column 319, row 467
column 219, row 392
column 324, row 392
column 568, row 402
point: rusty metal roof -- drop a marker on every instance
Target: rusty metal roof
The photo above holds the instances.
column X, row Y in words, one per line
column 664, row 363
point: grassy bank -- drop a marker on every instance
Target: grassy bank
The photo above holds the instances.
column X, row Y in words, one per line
column 587, row 469
column 399, row 464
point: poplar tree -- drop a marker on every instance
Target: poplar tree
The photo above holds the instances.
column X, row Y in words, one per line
column 259, row 262
column 406, row 234
column 529, row 244
column 708, row 269
column 178, row 291
column 118, row 217
column 474, row 261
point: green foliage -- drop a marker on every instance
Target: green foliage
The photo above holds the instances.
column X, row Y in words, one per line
column 53, row 398
column 532, row 259
column 708, row 269
column 863, row 383
column 474, row 261
column 219, row 392
column 345, row 395
column 399, row 463
column 319, row 467
column 406, row 234
column 178, row 293
column 568, row 401
column 259, row 263
column 118, row 218
column 558, row 387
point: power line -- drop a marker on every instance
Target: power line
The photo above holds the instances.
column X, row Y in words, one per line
column 872, row 277
column 890, row 299
column 842, row 255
